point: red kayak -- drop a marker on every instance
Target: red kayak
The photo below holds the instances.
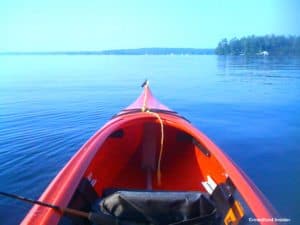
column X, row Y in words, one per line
column 149, row 165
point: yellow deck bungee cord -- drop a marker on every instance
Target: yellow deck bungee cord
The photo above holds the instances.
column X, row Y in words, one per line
column 146, row 110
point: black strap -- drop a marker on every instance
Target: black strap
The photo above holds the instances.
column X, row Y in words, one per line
column 200, row 220
column 146, row 212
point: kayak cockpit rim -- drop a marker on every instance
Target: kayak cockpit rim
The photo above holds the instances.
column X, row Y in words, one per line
column 130, row 111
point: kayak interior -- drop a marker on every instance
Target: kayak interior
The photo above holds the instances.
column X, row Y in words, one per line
column 132, row 167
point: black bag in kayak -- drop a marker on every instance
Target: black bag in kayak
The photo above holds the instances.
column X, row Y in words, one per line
column 157, row 208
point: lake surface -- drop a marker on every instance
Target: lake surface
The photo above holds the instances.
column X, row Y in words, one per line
column 51, row 105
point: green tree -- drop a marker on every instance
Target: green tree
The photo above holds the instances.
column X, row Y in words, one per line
column 252, row 45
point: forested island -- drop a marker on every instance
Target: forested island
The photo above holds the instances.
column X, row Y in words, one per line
column 260, row 45
column 160, row 51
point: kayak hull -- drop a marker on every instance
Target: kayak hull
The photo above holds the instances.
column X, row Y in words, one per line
column 112, row 157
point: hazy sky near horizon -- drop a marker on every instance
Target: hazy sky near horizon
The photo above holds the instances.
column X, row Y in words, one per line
column 56, row 25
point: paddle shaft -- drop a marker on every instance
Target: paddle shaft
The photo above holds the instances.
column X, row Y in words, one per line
column 69, row 211
column 93, row 217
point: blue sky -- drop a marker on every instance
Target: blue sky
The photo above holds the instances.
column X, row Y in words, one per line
column 37, row 25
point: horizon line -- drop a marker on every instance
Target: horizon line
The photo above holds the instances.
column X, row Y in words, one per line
column 125, row 51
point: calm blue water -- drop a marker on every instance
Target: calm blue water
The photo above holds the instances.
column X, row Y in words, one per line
column 50, row 105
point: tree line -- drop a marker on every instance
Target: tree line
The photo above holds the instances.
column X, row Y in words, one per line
column 253, row 45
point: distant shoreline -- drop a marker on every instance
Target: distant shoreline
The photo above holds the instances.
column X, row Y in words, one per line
column 138, row 51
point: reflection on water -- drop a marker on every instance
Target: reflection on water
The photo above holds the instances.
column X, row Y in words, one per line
column 260, row 63
column 51, row 105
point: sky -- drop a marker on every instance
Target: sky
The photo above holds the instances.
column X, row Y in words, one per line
column 72, row 25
